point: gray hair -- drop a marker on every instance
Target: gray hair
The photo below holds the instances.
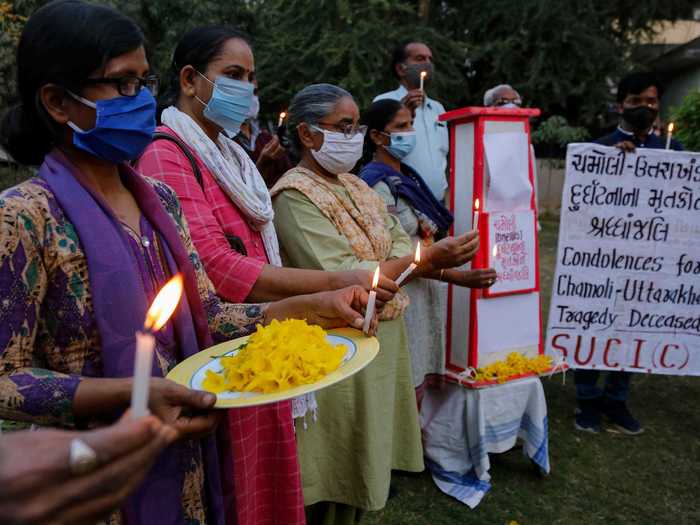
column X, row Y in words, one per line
column 491, row 94
column 310, row 105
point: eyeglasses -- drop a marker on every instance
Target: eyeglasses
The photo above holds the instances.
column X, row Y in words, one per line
column 348, row 130
column 129, row 86
column 504, row 101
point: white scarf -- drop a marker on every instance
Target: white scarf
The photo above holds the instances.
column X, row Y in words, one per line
column 237, row 175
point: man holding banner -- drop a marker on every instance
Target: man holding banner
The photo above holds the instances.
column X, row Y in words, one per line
column 623, row 246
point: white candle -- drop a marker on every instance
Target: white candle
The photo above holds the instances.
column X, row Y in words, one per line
column 158, row 314
column 669, row 134
column 423, row 74
column 145, row 345
column 281, row 119
column 405, row 273
column 494, row 253
column 475, row 220
column 369, row 313
column 408, row 271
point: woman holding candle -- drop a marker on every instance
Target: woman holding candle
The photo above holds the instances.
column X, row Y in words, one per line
column 229, row 213
column 390, row 137
column 87, row 244
column 329, row 219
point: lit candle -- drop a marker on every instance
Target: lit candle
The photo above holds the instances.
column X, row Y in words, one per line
column 423, row 74
column 281, row 119
column 475, row 221
column 158, row 314
column 669, row 134
column 411, row 267
column 494, row 253
column 369, row 314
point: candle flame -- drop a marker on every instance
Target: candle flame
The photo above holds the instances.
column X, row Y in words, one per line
column 283, row 115
column 423, row 74
column 495, row 250
column 164, row 304
column 670, row 127
column 375, row 279
column 417, row 257
column 476, row 204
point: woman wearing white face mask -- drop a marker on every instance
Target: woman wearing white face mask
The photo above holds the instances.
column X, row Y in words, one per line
column 390, row 137
column 327, row 218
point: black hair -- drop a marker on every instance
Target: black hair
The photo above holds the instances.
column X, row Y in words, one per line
column 635, row 83
column 400, row 55
column 62, row 43
column 198, row 48
column 377, row 117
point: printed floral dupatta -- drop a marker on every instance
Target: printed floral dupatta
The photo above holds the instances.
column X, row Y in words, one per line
column 360, row 219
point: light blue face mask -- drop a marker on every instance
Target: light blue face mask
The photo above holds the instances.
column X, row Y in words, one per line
column 230, row 102
column 402, row 143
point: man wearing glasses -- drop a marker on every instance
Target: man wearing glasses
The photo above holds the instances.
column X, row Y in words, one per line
column 502, row 96
column 410, row 62
column 505, row 96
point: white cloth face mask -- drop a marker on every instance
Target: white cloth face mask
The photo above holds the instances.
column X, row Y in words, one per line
column 338, row 154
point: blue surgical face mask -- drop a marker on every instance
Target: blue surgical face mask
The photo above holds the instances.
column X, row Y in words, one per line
column 254, row 110
column 124, row 126
column 402, row 143
column 229, row 104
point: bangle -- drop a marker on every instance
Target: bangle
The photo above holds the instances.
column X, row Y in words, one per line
column 441, row 273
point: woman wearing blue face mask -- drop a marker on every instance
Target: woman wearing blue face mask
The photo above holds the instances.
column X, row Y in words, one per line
column 229, row 212
column 390, row 137
column 86, row 245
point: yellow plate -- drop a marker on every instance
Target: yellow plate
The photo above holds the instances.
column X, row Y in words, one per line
column 361, row 350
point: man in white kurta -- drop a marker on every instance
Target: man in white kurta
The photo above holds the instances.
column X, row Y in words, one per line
column 429, row 157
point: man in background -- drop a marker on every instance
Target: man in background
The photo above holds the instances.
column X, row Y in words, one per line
column 638, row 101
column 429, row 157
column 505, row 96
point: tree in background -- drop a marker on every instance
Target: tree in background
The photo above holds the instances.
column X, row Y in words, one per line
column 559, row 54
column 686, row 119
column 562, row 55
column 345, row 42
column 11, row 24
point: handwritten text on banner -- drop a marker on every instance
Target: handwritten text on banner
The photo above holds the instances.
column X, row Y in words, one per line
column 626, row 292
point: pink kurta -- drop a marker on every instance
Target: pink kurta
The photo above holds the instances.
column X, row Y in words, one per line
column 265, row 464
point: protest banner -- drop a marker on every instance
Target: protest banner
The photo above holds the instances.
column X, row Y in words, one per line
column 626, row 291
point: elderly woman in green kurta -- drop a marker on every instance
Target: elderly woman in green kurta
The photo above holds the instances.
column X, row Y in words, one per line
column 327, row 218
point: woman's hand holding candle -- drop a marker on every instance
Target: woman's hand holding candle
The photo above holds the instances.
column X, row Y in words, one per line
column 450, row 252
column 481, row 278
column 334, row 309
column 386, row 288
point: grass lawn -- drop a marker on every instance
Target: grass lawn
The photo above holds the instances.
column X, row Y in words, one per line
column 607, row 478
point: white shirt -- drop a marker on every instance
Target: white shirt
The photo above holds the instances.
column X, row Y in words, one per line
column 429, row 157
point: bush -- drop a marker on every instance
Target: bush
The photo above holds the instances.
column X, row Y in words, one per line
column 553, row 135
column 686, row 121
